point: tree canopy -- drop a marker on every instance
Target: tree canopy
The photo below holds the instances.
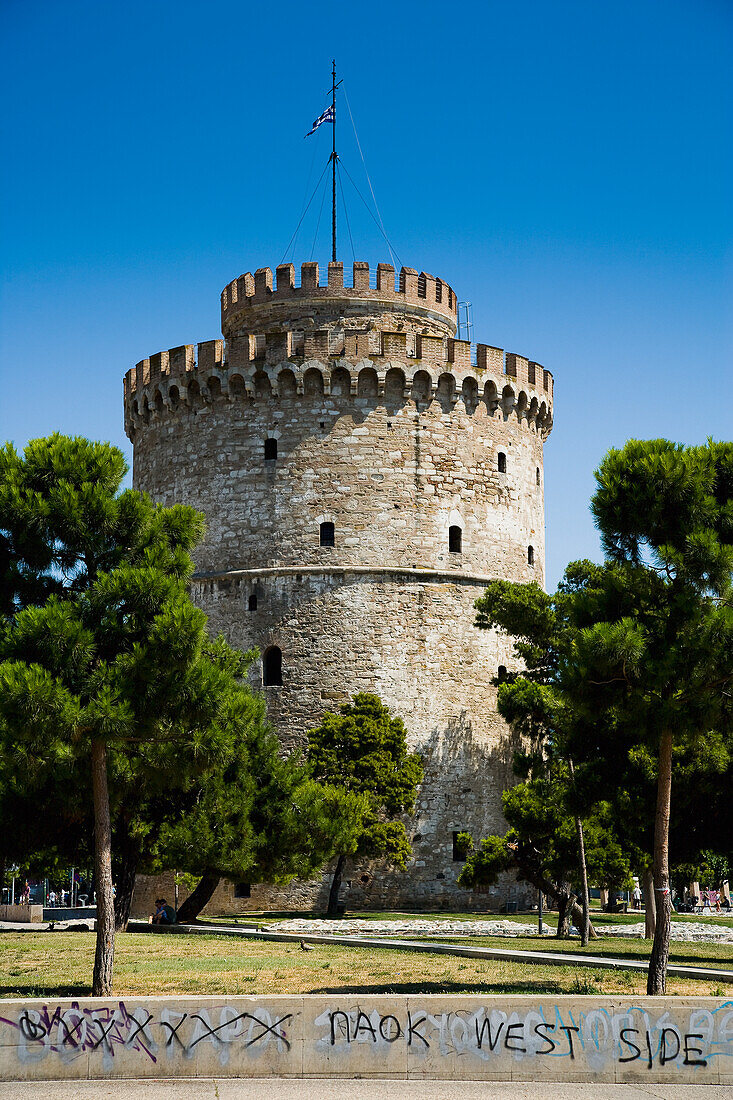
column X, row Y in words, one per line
column 363, row 750
column 628, row 667
column 101, row 649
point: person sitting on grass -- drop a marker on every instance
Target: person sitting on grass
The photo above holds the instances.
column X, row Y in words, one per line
column 164, row 913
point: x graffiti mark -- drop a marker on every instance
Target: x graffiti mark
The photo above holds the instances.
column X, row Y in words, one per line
column 266, row 1028
column 139, row 1027
column 174, row 1031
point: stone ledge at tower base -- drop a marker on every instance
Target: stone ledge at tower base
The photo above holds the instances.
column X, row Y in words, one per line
column 342, row 1034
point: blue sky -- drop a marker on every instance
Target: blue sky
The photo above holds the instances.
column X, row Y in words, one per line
column 566, row 166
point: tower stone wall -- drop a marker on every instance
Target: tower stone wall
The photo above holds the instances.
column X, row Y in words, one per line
column 357, row 407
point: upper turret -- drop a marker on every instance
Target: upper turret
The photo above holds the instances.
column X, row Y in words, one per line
column 415, row 302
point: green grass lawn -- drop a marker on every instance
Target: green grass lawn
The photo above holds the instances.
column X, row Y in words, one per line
column 716, row 955
column 59, row 964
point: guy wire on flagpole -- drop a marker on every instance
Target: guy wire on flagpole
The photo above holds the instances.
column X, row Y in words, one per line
column 305, row 211
column 366, row 173
column 329, row 115
column 346, row 214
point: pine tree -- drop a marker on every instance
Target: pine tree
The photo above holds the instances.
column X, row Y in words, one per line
column 363, row 751
column 665, row 514
column 101, row 649
column 551, row 796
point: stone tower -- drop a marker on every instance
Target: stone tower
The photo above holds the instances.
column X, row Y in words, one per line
column 363, row 474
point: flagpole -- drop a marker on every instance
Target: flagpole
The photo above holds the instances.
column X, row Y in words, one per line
column 333, row 164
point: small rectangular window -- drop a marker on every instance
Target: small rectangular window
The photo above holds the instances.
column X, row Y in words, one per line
column 455, row 538
column 242, row 890
column 458, row 854
column 327, row 534
column 270, row 450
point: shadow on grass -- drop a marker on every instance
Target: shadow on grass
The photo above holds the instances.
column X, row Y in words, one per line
column 600, row 950
column 77, row 990
column 426, row 988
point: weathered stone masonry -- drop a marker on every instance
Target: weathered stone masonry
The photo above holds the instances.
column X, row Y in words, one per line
column 409, row 442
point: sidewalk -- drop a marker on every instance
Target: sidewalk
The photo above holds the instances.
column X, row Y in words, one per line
column 319, row 1089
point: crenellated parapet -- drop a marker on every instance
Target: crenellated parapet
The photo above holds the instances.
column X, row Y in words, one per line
column 401, row 368
column 316, row 301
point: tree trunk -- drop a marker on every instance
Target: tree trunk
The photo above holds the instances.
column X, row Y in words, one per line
column 611, row 904
column 650, row 904
column 105, row 949
column 562, row 921
column 125, row 882
column 657, row 979
column 333, row 897
column 202, row 895
column 550, row 890
column 566, row 905
column 584, row 927
column 576, row 914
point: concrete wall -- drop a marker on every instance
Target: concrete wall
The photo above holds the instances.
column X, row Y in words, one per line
column 567, row 1038
column 23, row 914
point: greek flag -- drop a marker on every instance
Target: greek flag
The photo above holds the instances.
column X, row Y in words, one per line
column 327, row 116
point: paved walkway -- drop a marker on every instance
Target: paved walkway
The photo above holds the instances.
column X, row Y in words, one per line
column 278, row 1089
column 429, row 928
column 544, row 958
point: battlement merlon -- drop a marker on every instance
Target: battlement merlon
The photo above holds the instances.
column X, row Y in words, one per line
column 246, row 356
column 176, row 363
column 412, row 292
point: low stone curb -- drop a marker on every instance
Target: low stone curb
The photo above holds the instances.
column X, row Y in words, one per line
column 544, row 958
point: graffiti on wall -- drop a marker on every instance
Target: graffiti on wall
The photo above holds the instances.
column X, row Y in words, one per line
column 75, row 1031
column 597, row 1035
column 169, row 1036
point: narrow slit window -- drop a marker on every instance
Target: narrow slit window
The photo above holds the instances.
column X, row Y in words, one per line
column 252, row 602
column 502, row 462
column 530, row 555
column 272, row 667
column 459, row 855
column 270, row 450
column 537, row 475
column 327, row 534
column 455, row 539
